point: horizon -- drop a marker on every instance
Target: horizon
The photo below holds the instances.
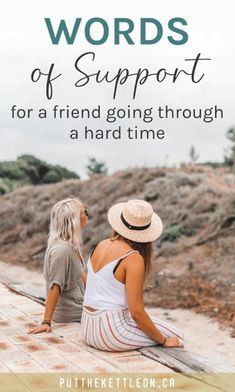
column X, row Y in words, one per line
column 84, row 175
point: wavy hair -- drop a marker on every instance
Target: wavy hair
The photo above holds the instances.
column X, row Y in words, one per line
column 65, row 223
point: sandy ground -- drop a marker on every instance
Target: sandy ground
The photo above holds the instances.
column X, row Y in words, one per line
column 202, row 334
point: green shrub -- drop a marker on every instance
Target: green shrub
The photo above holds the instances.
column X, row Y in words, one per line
column 229, row 158
column 172, row 233
column 65, row 173
column 29, row 159
column 34, row 168
column 96, row 167
column 4, row 188
column 11, row 170
column 214, row 165
column 28, row 169
column 51, row 177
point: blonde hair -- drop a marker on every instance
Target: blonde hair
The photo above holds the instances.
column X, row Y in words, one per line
column 65, row 223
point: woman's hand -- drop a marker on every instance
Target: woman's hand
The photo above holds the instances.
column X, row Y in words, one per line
column 173, row 341
column 40, row 328
column 51, row 302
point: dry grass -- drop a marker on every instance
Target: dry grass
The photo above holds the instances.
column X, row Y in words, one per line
column 195, row 263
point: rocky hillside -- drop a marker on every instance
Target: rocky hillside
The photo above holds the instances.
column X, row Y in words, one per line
column 194, row 262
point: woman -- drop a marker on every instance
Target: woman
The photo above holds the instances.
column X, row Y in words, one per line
column 63, row 264
column 114, row 317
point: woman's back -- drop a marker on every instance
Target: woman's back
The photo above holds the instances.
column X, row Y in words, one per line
column 114, row 317
column 62, row 267
column 108, row 250
column 105, row 288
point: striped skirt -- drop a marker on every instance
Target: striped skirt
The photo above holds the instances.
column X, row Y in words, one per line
column 115, row 330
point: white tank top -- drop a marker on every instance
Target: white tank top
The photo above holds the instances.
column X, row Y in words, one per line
column 103, row 290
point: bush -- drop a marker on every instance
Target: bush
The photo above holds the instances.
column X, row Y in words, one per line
column 172, row 233
column 229, row 158
column 193, row 154
column 27, row 214
column 65, row 173
column 214, row 165
column 28, row 169
column 11, row 170
column 182, row 179
column 95, row 167
column 34, row 168
column 51, row 176
column 4, row 188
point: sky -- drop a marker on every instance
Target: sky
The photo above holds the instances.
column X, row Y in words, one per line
column 25, row 45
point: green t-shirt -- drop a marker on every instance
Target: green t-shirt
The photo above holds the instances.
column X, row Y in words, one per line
column 62, row 267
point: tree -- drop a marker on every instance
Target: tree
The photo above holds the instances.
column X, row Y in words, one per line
column 193, row 154
column 28, row 169
column 96, row 167
column 33, row 168
column 229, row 158
column 40, row 172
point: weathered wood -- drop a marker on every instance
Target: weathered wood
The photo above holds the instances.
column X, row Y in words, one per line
column 189, row 364
column 177, row 359
column 27, row 291
column 180, row 360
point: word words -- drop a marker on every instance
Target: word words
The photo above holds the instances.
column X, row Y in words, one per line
column 207, row 115
column 132, row 133
column 123, row 27
column 112, row 114
column 123, row 75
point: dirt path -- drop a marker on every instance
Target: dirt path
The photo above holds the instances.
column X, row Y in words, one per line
column 202, row 335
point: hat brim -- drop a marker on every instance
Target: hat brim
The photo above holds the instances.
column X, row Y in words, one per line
column 148, row 235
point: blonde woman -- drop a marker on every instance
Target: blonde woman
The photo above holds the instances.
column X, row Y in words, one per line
column 114, row 317
column 63, row 264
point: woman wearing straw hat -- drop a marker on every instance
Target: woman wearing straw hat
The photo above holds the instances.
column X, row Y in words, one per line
column 63, row 264
column 114, row 317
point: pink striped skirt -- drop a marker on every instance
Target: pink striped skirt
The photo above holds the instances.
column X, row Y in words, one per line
column 115, row 330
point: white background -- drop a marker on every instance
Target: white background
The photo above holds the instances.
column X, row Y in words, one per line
column 25, row 44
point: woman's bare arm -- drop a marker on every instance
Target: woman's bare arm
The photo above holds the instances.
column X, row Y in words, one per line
column 134, row 290
column 51, row 302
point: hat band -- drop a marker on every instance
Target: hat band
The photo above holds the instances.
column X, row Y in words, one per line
column 131, row 227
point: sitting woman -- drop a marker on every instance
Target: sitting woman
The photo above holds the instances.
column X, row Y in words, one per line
column 63, row 265
column 114, row 317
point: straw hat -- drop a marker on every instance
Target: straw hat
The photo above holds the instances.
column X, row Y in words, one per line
column 135, row 220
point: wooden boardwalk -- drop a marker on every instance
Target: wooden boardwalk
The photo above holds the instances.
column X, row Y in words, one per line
column 63, row 350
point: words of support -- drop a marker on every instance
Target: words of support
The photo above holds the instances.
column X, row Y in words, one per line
column 121, row 76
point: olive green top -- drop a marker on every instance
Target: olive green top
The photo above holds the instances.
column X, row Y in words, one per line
column 62, row 267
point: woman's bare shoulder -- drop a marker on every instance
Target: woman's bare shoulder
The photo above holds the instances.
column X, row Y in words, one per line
column 105, row 241
column 102, row 244
column 135, row 256
column 115, row 248
column 113, row 243
column 134, row 264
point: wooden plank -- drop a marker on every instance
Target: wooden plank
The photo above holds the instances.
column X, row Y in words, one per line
column 180, row 360
column 190, row 365
column 177, row 359
column 27, row 291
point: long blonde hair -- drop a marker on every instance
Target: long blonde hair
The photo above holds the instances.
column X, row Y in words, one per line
column 65, row 223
